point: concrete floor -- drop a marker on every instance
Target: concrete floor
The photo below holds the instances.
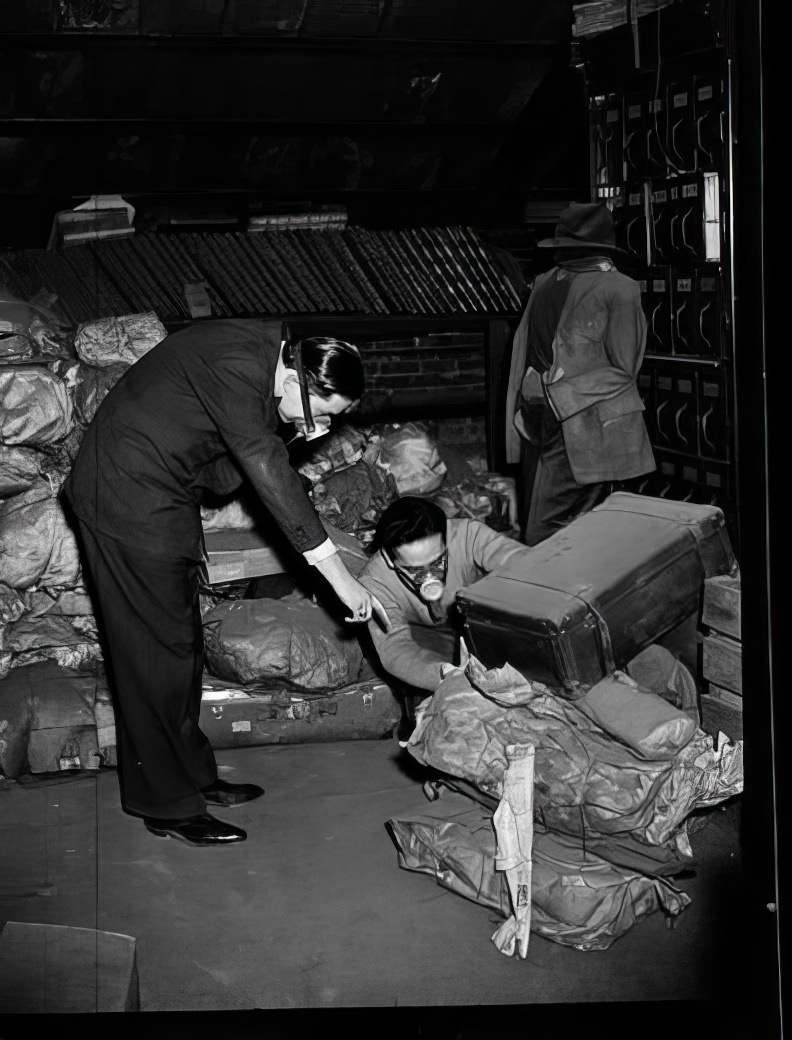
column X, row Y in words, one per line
column 313, row 911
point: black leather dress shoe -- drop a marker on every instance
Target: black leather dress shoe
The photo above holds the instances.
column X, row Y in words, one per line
column 221, row 792
column 196, row 830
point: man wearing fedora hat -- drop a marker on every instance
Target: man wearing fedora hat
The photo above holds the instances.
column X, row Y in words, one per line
column 574, row 416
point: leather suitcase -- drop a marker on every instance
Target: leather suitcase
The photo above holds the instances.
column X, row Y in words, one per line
column 237, row 716
column 589, row 598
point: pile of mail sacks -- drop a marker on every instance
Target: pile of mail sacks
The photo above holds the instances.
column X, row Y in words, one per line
column 590, row 800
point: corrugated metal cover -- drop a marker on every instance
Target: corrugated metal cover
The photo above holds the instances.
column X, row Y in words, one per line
column 421, row 271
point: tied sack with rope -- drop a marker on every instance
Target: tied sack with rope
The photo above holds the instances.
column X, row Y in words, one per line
column 588, row 782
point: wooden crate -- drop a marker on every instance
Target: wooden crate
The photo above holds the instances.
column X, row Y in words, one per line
column 235, row 555
column 734, row 700
column 719, row 717
column 721, row 605
column 722, row 662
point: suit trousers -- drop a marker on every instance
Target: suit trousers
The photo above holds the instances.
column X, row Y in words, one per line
column 552, row 497
column 149, row 619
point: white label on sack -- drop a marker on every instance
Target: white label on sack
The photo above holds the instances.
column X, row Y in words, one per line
column 634, row 199
column 689, row 191
column 705, row 93
column 242, row 726
column 368, row 700
column 634, row 112
column 680, row 100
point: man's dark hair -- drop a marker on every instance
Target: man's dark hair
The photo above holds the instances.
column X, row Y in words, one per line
column 331, row 366
column 406, row 520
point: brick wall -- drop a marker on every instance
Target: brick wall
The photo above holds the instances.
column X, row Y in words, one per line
column 434, row 372
column 468, row 431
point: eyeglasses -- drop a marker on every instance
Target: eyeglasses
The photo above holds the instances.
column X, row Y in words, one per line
column 436, row 566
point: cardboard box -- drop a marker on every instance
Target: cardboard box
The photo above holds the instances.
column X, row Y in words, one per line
column 57, row 969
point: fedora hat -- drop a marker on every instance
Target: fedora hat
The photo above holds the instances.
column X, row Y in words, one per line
column 583, row 225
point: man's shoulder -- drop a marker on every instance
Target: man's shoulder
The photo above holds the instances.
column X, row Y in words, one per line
column 615, row 277
column 613, row 284
column 230, row 331
column 456, row 525
column 463, row 528
column 373, row 569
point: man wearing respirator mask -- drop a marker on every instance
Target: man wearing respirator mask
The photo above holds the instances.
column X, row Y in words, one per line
column 420, row 559
column 200, row 411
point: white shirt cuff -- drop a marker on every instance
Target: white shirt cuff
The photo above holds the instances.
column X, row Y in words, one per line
column 321, row 552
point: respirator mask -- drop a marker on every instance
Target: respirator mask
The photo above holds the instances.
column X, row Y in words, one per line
column 427, row 582
column 320, row 425
column 310, row 427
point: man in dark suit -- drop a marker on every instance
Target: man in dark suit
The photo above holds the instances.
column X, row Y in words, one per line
column 574, row 415
column 201, row 410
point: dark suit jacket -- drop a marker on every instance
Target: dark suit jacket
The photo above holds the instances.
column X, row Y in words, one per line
column 197, row 411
